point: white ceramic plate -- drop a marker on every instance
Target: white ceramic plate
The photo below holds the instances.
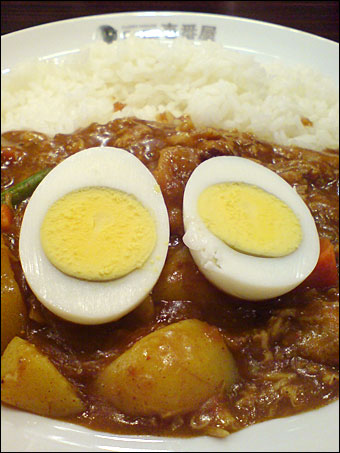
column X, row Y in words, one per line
column 313, row 431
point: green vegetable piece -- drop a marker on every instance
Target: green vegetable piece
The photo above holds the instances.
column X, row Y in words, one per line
column 23, row 189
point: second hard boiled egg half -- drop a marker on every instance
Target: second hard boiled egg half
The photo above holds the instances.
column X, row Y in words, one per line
column 94, row 237
column 247, row 229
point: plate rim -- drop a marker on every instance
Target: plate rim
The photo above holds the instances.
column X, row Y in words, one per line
column 140, row 14
column 151, row 13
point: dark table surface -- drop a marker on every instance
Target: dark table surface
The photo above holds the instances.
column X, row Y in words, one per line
column 319, row 18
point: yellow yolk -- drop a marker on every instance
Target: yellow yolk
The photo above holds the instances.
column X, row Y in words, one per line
column 250, row 220
column 97, row 234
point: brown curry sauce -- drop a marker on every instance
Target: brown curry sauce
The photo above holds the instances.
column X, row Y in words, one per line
column 286, row 349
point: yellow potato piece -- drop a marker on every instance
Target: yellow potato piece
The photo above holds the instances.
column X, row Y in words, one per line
column 13, row 309
column 31, row 382
column 181, row 280
column 170, row 371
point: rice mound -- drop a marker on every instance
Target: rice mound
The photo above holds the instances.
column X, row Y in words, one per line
column 216, row 87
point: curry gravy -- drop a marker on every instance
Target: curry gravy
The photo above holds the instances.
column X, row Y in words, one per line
column 286, row 349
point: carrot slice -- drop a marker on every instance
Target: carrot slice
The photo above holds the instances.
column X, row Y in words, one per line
column 325, row 273
column 6, row 217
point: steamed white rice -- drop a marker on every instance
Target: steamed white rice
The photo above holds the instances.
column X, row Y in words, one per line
column 216, row 87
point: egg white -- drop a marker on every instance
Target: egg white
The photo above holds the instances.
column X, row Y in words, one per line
column 241, row 275
column 92, row 302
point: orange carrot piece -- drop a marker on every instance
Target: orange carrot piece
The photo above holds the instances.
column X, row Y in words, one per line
column 6, row 217
column 325, row 273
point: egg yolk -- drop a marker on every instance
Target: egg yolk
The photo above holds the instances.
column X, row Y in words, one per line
column 250, row 220
column 98, row 233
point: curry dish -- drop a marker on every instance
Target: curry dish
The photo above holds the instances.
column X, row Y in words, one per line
column 285, row 349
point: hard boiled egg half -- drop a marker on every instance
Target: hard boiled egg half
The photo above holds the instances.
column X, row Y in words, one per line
column 94, row 237
column 247, row 229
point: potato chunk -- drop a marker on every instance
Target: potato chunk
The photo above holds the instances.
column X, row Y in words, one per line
column 31, row 382
column 170, row 371
column 181, row 280
column 13, row 309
